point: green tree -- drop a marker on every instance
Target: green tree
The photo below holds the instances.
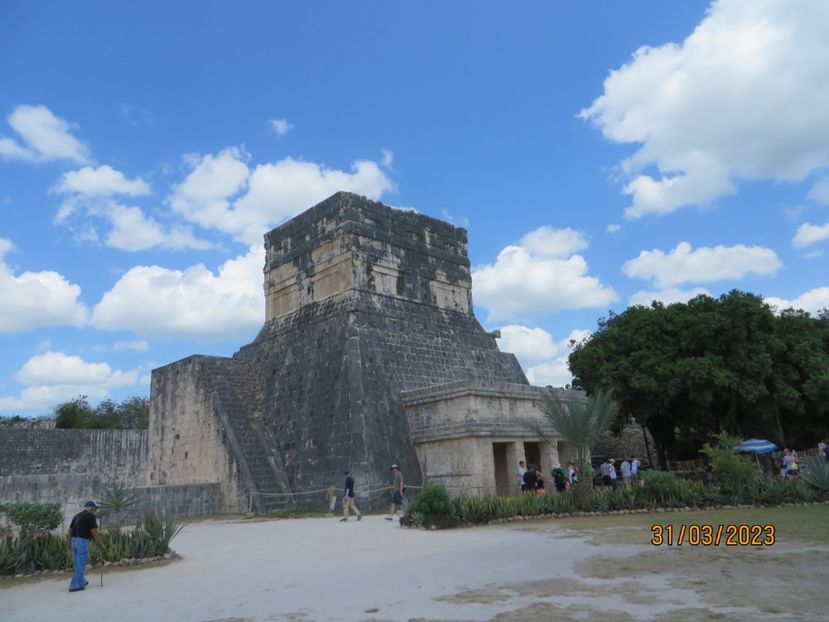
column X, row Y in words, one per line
column 75, row 413
column 134, row 412
column 688, row 371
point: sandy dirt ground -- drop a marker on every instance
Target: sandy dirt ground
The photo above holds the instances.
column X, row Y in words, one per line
column 321, row 569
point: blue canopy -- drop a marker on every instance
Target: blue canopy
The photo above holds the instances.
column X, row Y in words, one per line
column 755, row 446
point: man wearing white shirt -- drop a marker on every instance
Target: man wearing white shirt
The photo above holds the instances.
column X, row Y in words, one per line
column 626, row 478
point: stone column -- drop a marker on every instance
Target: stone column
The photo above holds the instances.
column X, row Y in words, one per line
column 549, row 459
column 515, row 454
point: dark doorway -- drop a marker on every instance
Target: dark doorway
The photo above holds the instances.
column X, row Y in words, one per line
column 532, row 454
column 499, row 454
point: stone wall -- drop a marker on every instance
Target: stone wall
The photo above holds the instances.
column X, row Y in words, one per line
column 188, row 439
column 116, row 455
column 70, row 490
column 70, row 466
column 631, row 442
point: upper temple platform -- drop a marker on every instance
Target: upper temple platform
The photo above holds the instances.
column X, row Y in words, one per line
column 349, row 242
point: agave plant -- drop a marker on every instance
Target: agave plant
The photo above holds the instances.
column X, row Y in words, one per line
column 816, row 472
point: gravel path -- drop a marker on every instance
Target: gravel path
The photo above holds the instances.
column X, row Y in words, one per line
column 321, row 569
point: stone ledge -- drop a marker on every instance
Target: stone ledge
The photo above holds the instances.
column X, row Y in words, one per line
column 486, row 389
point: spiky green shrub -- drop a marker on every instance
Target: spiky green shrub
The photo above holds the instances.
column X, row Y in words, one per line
column 816, row 472
column 151, row 538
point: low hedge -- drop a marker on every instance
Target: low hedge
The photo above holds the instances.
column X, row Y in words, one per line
column 661, row 490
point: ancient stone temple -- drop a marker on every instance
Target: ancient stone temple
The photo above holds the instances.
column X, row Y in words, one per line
column 363, row 302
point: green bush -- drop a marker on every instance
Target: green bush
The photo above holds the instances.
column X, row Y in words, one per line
column 433, row 501
column 33, row 519
column 732, row 472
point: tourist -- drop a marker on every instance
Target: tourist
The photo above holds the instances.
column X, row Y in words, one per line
column 519, row 475
column 82, row 529
column 530, row 479
column 790, row 463
column 634, row 469
column 348, row 498
column 559, row 479
column 539, row 482
column 626, row 473
column 612, row 472
column 397, row 490
column 823, row 448
column 605, row 470
column 571, row 474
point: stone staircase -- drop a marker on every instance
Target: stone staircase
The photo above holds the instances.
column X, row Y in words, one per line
column 238, row 394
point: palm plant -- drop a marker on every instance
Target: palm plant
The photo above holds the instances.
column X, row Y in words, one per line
column 580, row 424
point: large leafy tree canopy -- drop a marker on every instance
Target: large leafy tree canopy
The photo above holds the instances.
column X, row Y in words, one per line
column 690, row 370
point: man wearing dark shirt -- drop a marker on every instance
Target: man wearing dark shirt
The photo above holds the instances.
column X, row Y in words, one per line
column 348, row 498
column 82, row 529
column 530, row 479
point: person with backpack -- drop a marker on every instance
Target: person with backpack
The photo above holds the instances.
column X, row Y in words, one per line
column 82, row 530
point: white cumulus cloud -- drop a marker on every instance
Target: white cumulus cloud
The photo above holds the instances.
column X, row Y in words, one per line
column 103, row 181
column 43, row 137
column 808, row 234
column 274, row 191
column 537, row 277
column 548, row 242
column 703, row 113
column 132, row 230
column 89, row 192
column 196, row 303
column 813, row 301
column 543, row 359
column 54, row 377
column 33, row 300
column 704, row 265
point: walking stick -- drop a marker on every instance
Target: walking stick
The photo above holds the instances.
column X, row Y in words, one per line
column 101, row 552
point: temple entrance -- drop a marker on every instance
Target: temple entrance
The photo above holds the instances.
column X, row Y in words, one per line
column 502, row 479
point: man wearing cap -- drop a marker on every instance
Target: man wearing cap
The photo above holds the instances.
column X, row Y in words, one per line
column 82, row 529
column 396, row 491
column 348, row 498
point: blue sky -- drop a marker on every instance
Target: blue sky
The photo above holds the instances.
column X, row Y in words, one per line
column 599, row 154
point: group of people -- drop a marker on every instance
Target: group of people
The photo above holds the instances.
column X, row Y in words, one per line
column 629, row 470
column 398, row 499
column 531, row 479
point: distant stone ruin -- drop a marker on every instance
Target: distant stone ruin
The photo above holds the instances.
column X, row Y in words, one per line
column 363, row 302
